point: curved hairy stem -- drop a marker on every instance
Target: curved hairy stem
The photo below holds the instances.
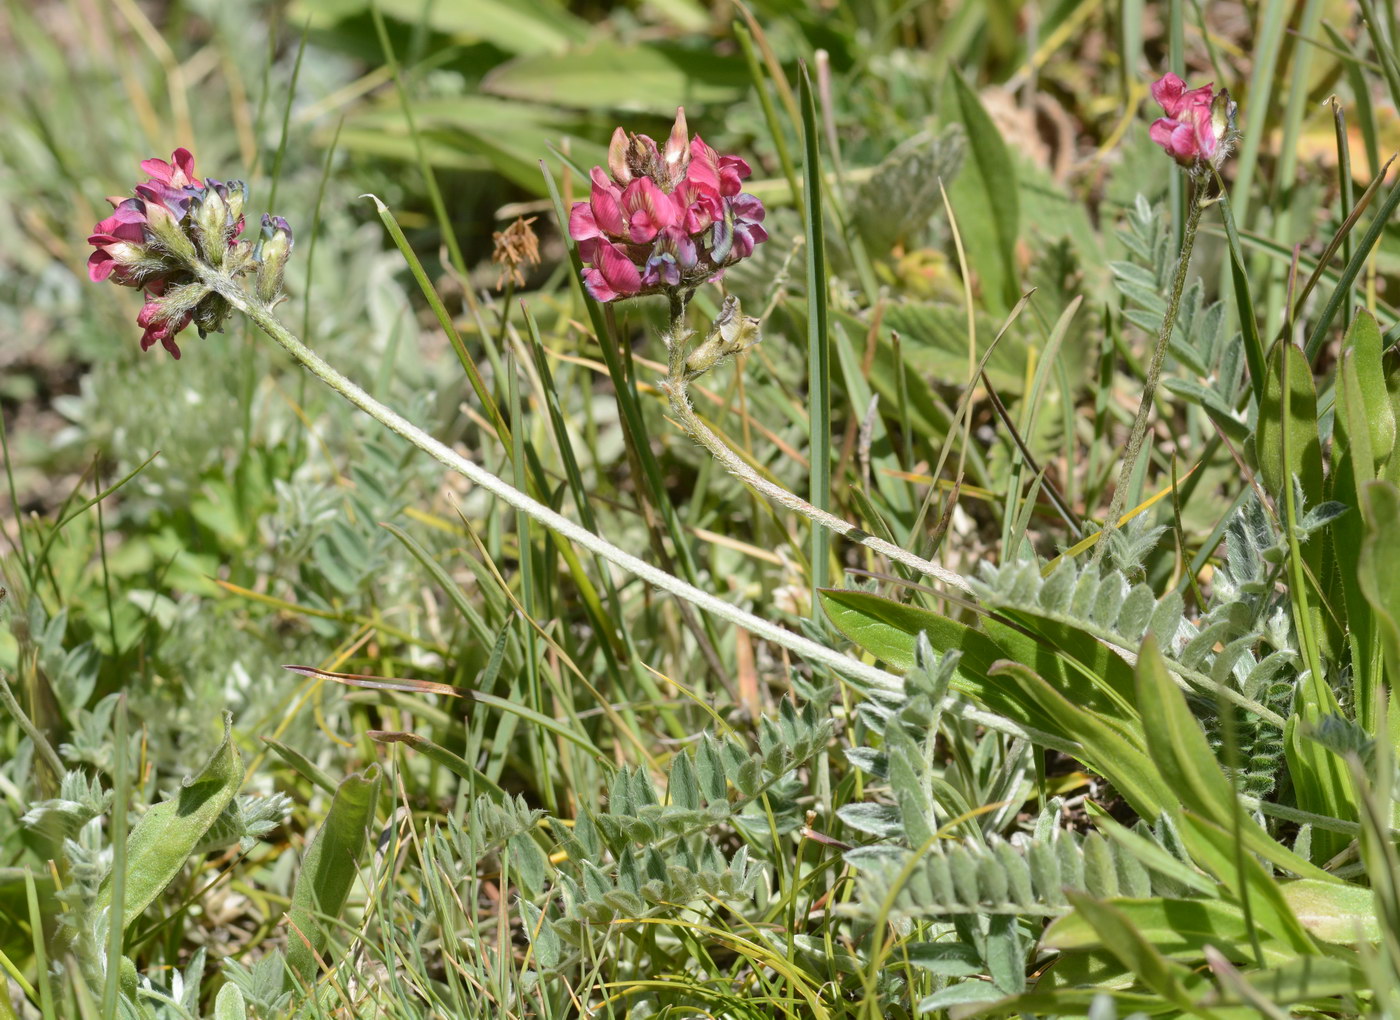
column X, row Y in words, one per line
column 677, row 391
column 1154, row 373
column 262, row 315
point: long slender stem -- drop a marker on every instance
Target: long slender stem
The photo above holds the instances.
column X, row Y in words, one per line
column 1154, row 373
column 677, row 391
column 268, row 323
column 853, row 669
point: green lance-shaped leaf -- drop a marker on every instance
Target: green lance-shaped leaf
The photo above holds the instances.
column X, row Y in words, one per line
column 1287, row 445
column 984, row 196
column 1379, row 572
column 1332, row 911
column 167, row 834
column 1184, row 761
column 329, row 868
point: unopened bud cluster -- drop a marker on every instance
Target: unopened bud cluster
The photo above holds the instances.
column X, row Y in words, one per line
column 157, row 241
column 733, row 333
column 664, row 219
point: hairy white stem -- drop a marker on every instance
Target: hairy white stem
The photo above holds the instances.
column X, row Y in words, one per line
column 872, row 678
column 695, row 427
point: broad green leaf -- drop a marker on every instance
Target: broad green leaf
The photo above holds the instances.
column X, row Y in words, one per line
column 1215, row 850
column 890, row 629
column 1333, row 911
column 960, row 993
column 1297, row 438
column 609, row 75
column 1379, row 573
column 1363, row 344
column 1175, row 741
column 1364, row 433
column 229, row 1004
column 1121, row 937
column 1104, row 747
column 1178, row 928
column 516, row 26
column 887, row 629
column 329, row 869
column 984, row 198
column 162, row 841
column 1305, row 978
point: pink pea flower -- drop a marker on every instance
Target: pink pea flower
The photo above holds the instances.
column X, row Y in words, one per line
column 174, row 228
column 663, row 218
column 1198, row 130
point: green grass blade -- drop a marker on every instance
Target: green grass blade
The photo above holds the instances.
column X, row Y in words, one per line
column 488, row 402
column 1353, row 267
column 818, row 349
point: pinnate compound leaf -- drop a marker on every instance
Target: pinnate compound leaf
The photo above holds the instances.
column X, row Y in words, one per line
column 167, row 834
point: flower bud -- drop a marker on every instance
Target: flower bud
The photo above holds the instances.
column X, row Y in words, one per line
column 235, row 194
column 210, row 220
column 165, row 233
column 732, row 333
column 274, row 246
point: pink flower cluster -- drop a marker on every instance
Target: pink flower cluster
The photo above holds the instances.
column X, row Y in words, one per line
column 664, row 219
column 148, row 241
column 1199, row 123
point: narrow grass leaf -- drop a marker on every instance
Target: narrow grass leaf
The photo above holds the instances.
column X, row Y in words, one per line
column 818, row 347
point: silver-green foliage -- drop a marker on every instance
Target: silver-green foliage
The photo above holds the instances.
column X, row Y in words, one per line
column 1213, row 360
column 647, row 856
column 1020, row 876
column 920, row 870
column 1243, row 641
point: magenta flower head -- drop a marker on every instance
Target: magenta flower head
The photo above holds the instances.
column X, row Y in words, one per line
column 664, row 218
column 1198, row 130
column 166, row 238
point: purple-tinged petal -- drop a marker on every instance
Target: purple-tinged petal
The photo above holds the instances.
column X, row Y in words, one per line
column 1167, row 91
column 732, row 171
column 605, row 202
